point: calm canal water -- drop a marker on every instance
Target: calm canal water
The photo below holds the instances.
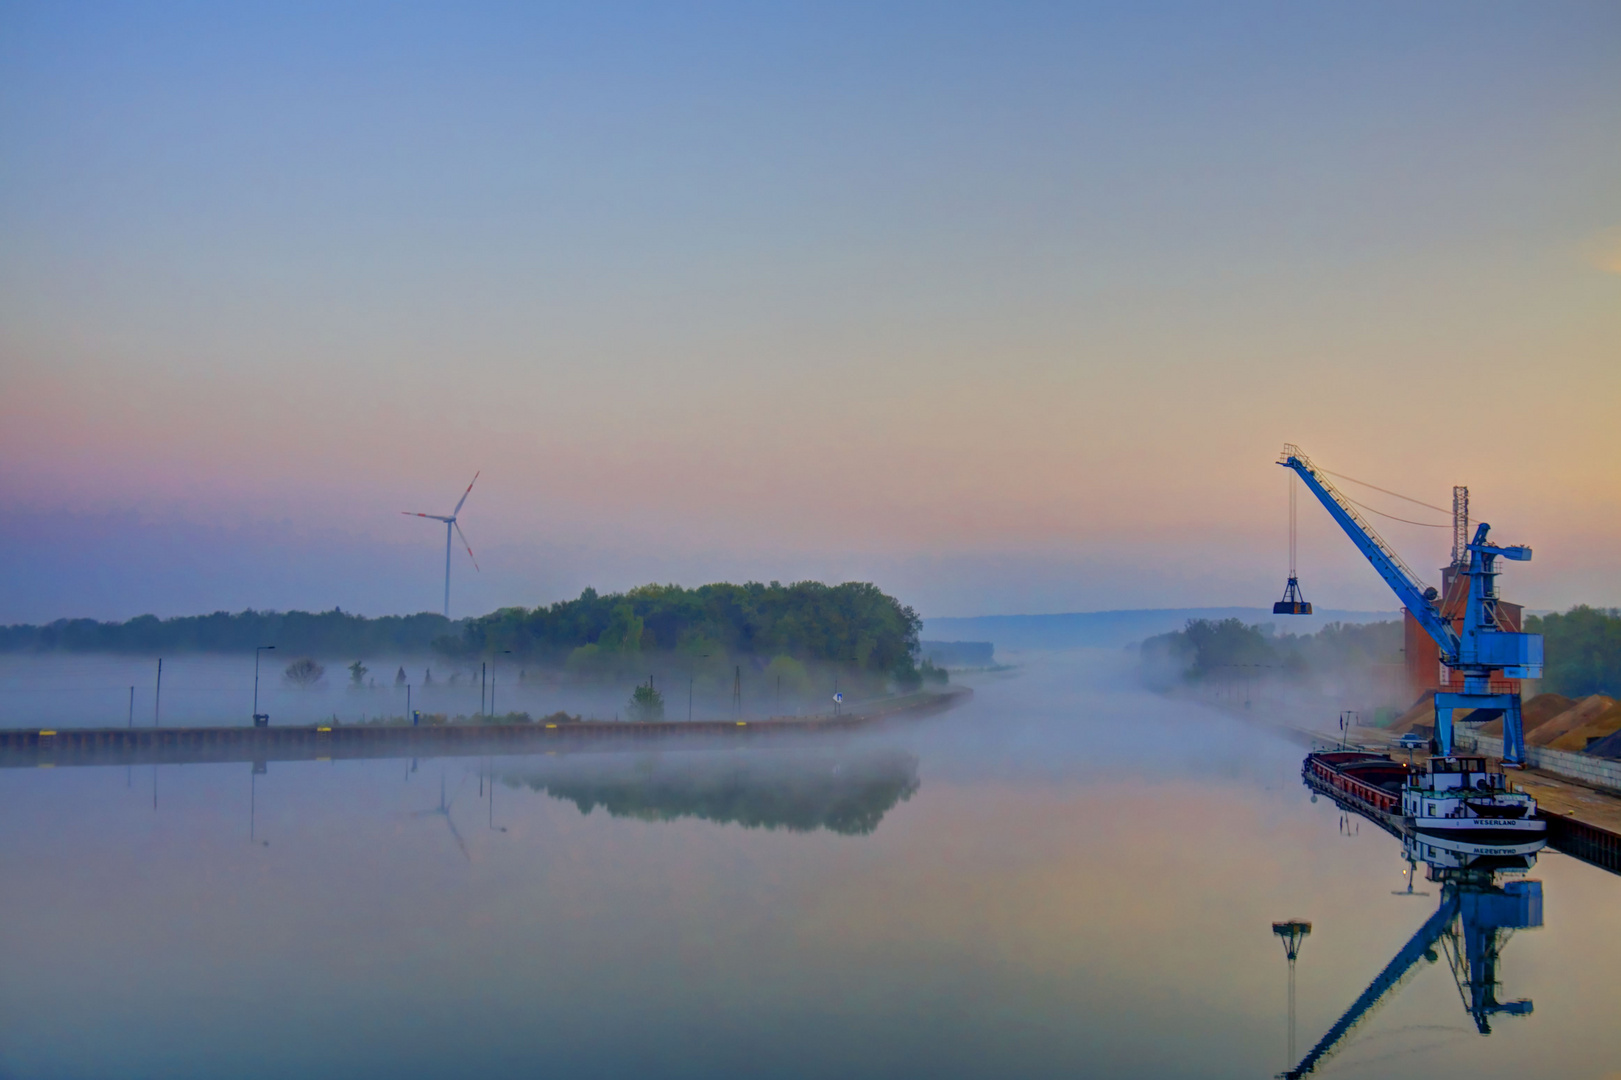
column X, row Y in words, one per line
column 1067, row 877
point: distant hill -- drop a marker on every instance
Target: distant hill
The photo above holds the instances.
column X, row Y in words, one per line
column 1118, row 628
column 959, row 654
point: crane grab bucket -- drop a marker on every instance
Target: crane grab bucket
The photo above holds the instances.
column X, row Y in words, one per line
column 1293, row 603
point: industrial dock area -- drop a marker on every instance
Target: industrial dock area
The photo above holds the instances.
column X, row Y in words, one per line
column 1480, row 762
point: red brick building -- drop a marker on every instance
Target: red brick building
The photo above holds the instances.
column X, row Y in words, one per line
column 1424, row 668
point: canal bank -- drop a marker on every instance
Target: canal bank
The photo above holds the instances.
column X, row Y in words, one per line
column 34, row 748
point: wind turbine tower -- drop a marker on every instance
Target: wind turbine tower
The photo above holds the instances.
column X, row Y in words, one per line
column 450, row 525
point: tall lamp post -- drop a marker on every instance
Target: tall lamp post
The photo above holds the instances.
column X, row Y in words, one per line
column 692, row 673
column 259, row 719
column 504, row 652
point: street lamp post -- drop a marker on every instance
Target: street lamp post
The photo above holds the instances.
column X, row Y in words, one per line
column 692, row 670
column 493, row 669
column 259, row 719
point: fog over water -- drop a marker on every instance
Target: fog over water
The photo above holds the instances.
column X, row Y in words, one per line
column 1069, row 875
column 67, row 690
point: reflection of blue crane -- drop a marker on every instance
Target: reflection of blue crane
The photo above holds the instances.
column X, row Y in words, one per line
column 1472, row 910
column 1481, row 649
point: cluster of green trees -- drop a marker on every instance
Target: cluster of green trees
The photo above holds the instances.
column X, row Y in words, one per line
column 1208, row 648
column 1582, row 651
column 854, row 625
column 327, row 633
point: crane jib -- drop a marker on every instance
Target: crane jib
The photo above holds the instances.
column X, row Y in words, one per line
column 1397, row 574
column 1481, row 650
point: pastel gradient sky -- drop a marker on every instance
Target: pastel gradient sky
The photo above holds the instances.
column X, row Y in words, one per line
column 1008, row 308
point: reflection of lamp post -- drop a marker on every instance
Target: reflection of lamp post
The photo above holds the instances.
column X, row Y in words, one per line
column 259, row 719
column 253, row 782
column 1293, row 933
column 493, row 826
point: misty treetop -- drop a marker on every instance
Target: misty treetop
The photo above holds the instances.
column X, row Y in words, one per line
column 850, row 625
column 1206, row 648
column 1582, row 649
column 326, row 633
column 854, row 624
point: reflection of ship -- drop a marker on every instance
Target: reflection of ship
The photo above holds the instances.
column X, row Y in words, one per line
column 1445, row 853
column 1457, row 797
column 1475, row 918
column 846, row 793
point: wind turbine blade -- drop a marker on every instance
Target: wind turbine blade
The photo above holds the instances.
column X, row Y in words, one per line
column 466, row 493
column 436, row 517
column 466, row 545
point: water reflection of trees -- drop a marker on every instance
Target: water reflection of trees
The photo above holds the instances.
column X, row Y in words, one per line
column 800, row 792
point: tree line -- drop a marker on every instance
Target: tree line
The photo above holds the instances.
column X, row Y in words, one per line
column 1207, row 648
column 854, row 625
column 326, row 633
column 1582, row 649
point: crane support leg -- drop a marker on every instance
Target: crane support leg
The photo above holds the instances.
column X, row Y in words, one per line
column 1505, row 705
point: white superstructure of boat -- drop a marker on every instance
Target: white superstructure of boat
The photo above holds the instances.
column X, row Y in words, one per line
column 1461, row 798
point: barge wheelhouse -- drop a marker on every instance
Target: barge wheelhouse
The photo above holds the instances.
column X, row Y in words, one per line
column 1460, row 798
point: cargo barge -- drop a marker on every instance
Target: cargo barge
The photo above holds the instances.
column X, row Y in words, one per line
column 1456, row 799
column 1368, row 783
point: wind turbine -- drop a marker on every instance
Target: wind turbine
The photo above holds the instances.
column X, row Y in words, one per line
column 450, row 523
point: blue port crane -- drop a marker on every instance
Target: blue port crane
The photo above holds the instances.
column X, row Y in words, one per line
column 1482, row 648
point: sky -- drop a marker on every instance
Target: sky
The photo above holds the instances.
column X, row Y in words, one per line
column 1007, row 308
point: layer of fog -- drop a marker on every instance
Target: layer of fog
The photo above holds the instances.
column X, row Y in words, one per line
column 56, row 690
